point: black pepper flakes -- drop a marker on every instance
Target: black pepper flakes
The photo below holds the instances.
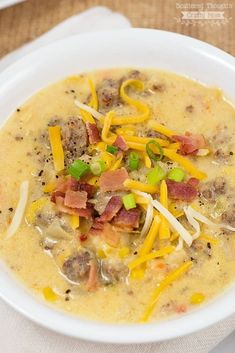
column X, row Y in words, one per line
column 209, row 245
column 40, row 173
column 18, row 110
column 10, row 209
column 135, row 252
column 67, row 291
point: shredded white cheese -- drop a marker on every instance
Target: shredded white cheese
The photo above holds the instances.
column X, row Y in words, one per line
column 197, row 215
column 88, row 109
column 149, row 212
column 180, row 244
column 193, row 223
column 203, row 152
column 20, row 209
column 184, row 234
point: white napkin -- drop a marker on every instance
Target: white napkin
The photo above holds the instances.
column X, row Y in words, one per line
column 18, row 334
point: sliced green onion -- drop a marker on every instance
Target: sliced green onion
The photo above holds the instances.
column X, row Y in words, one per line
column 97, row 167
column 156, row 175
column 78, row 168
column 129, row 201
column 151, row 153
column 112, row 149
column 176, row 174
column 133, row 161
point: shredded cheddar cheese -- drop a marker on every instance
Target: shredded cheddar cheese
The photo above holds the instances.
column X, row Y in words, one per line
column 147, row 160
column 74, row 221
column 174, row 146
column 161, row 128
column 125, row 131
column 151, row 236
column 144, row 258
column 33, row 208
column 108, row 158
column 49, row 187
column 49, row 294
column 94, row 99
column 164, row 230
column 56, row 147
column 137, row 185
column 143, row 108
column 94, row 181
column 185, row 163
column 87, row 116
column 144, row 140
column 106, row 127
column 117, row 164
column 169, row 279
column 208, row 239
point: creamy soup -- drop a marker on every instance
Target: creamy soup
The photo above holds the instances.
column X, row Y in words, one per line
column 117, row 195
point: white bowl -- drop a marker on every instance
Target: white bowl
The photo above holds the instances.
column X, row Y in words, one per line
column 133, row 48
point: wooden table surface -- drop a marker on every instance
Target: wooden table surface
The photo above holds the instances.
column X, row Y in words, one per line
column 26, row 21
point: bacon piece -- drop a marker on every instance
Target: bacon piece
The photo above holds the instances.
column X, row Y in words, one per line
column 109, row 235
column 93, row 133
column 97, row 226
column 181, row 308
column 127, row 219
column 90, row 189
column 113, row 180
column 189, row 143
column 75, row 199
column 72, row 184
column 55, row 194
column 83, row 237
column 86, row 213
column 113, row 206
column 92, row 282
column 181, row 190
column 121, row 143
column 193, row 181
column 67, row 184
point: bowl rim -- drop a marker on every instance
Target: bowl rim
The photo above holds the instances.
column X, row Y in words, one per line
column 126, row 333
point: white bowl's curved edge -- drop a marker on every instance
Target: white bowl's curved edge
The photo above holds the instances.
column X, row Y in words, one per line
column 76, row 327
column 221, row 307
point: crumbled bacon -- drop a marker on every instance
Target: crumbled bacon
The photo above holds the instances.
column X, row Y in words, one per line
column 83, row 212
column 71, row 183
column 181, row 308
column 184, row 191
column 193, row 181
column 111, row 209
column 67, row 184
column 97, row 226
column 83, row 237
column 109, row 235
column 190, row 143
column 127, row 219
column 56, row 194
column 113, row 180
column 92, row 282
column 89, row 189
column 121, row 143
column 93, row 133
column 75, row 199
